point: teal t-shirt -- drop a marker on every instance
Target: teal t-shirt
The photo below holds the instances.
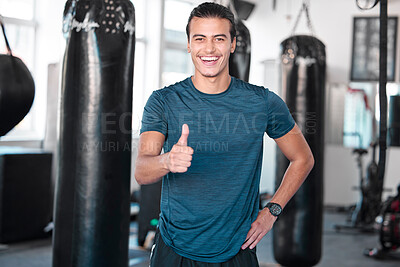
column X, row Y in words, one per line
column 207, row 211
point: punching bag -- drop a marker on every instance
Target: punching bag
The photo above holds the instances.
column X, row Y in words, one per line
column 297, row 235
column 394, row 121
column 92, row 206
column 239, row 61
column 17, row 89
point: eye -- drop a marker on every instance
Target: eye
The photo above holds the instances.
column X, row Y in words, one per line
column 219, row 39
column 198, row 39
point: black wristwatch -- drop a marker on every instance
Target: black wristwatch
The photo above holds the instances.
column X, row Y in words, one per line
column 274, row 208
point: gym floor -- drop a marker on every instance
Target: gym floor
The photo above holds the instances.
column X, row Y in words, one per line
column 344, row 248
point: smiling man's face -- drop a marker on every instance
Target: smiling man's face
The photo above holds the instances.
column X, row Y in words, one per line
column 210, row 46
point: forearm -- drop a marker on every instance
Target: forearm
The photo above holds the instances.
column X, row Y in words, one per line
column 294, row 177
column 150, row 169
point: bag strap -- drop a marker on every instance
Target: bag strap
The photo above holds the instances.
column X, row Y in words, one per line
column 304, row 8
column 5, row 37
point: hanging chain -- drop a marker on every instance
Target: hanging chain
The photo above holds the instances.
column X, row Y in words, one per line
column 305, row 8
column 5, row 37
column 309, row 24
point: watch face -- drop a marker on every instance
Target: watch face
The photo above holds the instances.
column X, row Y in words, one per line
column 275, row 209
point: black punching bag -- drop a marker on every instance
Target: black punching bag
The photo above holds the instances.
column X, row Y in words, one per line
column 17, row 89
column 297, row 235
column 93, row 185
column 239, row 61
column 394, row 121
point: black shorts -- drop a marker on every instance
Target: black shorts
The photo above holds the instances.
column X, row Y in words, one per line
column 163, row 256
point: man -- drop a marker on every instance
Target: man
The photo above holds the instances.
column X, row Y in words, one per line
column 211, row 128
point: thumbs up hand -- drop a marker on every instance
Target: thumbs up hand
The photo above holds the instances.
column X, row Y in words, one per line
column 180, row 157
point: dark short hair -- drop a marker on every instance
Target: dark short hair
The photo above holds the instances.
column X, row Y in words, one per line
column 213, row 10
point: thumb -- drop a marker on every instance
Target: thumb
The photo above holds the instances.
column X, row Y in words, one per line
column 185, row 133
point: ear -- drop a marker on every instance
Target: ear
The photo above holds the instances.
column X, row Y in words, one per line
column 188, row 47
column 233, row 45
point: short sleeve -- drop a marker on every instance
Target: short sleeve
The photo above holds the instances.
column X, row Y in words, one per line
column 153, row 115
column 280, row 121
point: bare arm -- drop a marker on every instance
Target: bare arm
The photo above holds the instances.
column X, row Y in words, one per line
column 151, row 166
column 295, row 148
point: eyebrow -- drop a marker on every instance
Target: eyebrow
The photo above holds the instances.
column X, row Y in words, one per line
column 217, row 35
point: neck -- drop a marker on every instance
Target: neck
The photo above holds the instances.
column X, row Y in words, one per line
column 211, row 85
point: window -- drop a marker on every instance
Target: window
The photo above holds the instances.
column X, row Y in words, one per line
column 139, row 68
column 26, row 40
column 20, row 9
column 362, row 113
column 163, row 50
column 176, row 62
column 158, row 61
column 20, row 27
column 358, row 115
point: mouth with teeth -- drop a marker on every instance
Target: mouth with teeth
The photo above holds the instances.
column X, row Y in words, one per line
column 209, row 61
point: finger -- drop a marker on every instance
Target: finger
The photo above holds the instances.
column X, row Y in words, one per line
column 179, row 169
column 176, row 157
column 182, row 163
column 254, row 239
column 250, row 240
column 183, row 149
column 188, row 150
column 258, row 239
column 250, row 233
column 184, row 136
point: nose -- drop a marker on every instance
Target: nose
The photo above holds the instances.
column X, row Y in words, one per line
column 210, row 47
